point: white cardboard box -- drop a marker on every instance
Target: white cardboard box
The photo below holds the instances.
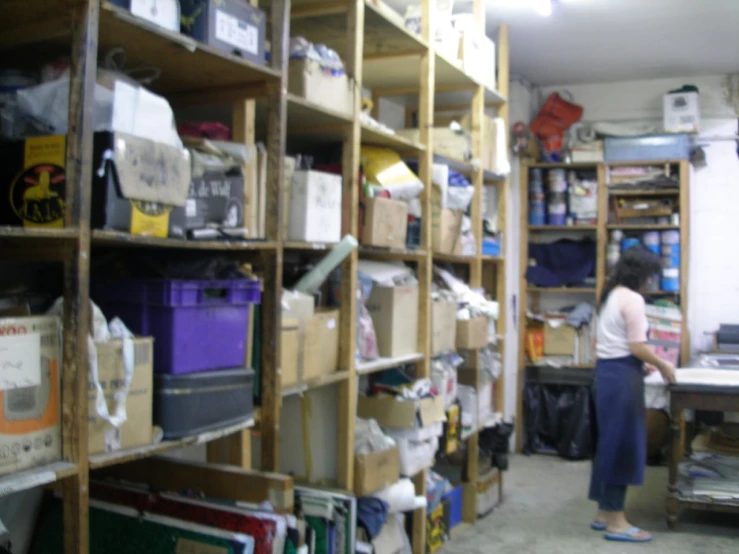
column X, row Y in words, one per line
column 30, row 418
column 682, row 112
column 315, row 207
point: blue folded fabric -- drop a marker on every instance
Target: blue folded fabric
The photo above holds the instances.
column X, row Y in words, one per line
column 371, row 514
column 561, row 263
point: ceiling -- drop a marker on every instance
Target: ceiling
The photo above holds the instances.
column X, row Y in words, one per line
column 589, row 41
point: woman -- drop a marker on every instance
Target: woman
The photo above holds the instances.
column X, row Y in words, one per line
column 619, row 392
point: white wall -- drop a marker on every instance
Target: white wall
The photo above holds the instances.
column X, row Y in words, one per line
column 713, row 283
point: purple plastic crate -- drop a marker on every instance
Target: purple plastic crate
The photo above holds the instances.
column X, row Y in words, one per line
column 197, row 325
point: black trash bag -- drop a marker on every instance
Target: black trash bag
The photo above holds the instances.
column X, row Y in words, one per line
column 548, row 426
column 497, row 440
column 541, row 418
column 531, row 408
column 576, row 439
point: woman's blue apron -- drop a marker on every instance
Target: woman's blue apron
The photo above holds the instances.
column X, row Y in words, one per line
column 621, row 421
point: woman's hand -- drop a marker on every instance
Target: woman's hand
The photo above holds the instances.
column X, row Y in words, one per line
column 668, row 372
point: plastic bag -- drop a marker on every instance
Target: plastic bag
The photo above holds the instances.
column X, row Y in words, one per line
column 559, row 418
column 366, row 335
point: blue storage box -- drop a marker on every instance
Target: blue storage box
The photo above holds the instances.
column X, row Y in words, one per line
column 456, row 500
column 490, row 247
column 653, row 147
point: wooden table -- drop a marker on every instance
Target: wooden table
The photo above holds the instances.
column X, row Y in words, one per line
column 680, row 490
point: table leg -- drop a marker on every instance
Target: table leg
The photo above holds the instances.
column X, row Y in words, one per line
column 672, row 507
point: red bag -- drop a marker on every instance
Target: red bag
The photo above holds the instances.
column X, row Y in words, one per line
column 555, row 116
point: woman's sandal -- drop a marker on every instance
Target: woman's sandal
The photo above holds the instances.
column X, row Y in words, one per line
column 599, row 526
column 628, row 536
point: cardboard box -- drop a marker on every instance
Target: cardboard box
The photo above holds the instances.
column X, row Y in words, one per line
column 488, row 148
column 394, row 311
column 321, row 344
column 472, row 333
column 32, row 181
column 137, row 429
column 142, row 180
column 385, row 223
column 402, row 414
column 315, row 207
column 374, row 471
column 30, row 415
column 446, row 229
column 233, row 26
column 477, row 53
column 214, row 200
column 289, row 162
column 560, row 341
column 308, row 80
column 299, row 305
column 443, row 327
column 290, row 345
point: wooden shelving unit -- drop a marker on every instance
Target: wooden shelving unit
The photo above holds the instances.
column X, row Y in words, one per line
column 191, row 72
column 387, row 59
column 602, row 229
column 379, row 54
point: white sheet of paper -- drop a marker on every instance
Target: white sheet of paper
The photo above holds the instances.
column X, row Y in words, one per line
column 20, row 361
column 124, row 107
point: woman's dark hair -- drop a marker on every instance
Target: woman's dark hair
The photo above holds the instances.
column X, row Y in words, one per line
column 633, row 270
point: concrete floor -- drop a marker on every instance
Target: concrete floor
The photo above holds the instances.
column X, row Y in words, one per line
column 546, row 511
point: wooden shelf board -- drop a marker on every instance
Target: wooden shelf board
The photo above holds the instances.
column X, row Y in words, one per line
column 316, row 383
column 307, row 118
column 452, row 258
column 186, row 65
column 377, row 137
column 563, row 228
column 36, row 233
column 36, row 476
column 639, row 193
column 384, row 30
column 563, row 290
column 646, row 227
column 378, row 253
column 400, row 75
column 120, row 239
column 643, row 163
column 381, row 364
column 493, row 259
column 308, row 246
column 579, row 165
column 122, row 456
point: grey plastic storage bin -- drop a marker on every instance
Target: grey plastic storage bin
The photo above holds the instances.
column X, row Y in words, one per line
column 194, row 403
column 653, row 147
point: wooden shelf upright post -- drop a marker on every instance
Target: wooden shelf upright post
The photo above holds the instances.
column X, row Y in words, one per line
column 347, row 389
column 83, row 68
column 425, row 265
